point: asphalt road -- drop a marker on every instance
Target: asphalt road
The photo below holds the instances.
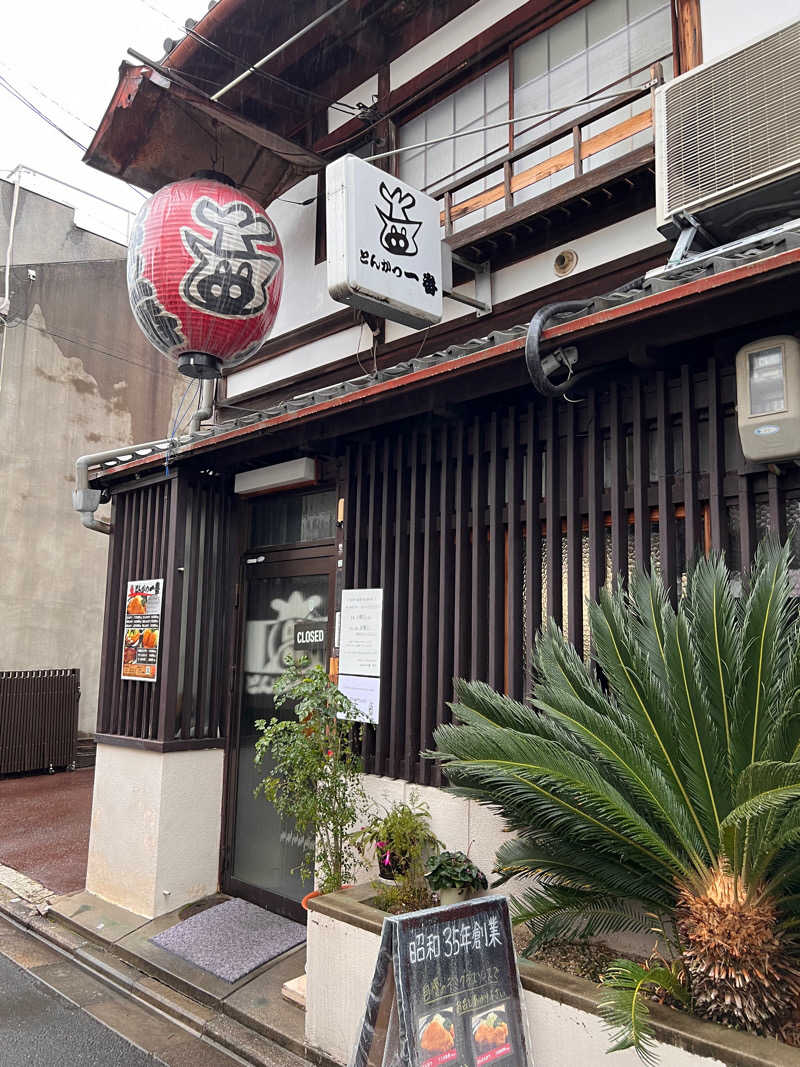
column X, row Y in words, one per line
column 38, row 1028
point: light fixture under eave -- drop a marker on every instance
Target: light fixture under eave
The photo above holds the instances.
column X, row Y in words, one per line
column 293, row 474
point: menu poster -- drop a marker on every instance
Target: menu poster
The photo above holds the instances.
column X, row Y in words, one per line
column 142, row 632
column 452, row 979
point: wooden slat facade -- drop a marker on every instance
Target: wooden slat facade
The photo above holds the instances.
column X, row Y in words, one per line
column 478, row 522
column 179, row 529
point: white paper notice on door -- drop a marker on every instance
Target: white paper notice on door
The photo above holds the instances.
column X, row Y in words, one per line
column 360, row 632
column 360, row 649
column 364, row 693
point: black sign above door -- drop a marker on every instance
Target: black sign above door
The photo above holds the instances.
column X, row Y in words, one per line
column 446, row 991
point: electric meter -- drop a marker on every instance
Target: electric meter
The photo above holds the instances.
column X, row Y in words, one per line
column 768, row 398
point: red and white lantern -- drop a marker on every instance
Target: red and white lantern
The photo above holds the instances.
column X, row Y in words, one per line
column 205, row 273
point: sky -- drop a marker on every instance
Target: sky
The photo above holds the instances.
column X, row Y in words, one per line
column 64, row 56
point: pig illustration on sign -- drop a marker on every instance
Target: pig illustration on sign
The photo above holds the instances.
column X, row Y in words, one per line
column 399, row 233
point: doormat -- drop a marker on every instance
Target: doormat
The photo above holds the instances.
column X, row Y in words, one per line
column 231, row 939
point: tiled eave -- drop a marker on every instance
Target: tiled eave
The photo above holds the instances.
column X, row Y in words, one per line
column 480, row 355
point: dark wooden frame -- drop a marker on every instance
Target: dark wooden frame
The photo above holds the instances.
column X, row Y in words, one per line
column 280, row 561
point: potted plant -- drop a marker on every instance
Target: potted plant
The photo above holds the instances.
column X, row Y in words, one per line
column 316, row 770
column 454, row 877
column 400, row 838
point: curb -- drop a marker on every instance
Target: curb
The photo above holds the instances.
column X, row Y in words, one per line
column 217, row 1028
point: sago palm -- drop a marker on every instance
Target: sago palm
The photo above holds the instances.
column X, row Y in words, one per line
column 659, row 790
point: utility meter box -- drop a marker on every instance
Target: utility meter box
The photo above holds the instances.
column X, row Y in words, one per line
column 768, row 398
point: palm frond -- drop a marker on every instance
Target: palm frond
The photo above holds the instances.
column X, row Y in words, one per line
column 768, row 618
column 764, row 788
column 624, row 1006
column 554, row 913
column 717, row 634
column 703, row 771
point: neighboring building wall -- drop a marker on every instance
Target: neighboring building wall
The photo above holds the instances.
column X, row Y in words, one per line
column 77, row 377
column 731, row 24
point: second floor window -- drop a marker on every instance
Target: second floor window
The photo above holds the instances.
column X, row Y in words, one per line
column 568, row 69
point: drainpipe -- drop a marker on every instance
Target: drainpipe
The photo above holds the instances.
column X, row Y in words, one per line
column 539, row 368
column 206, row 405
column 5, row 302
column 85, row 500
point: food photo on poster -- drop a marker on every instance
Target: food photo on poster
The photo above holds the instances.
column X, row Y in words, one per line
column 142, row 629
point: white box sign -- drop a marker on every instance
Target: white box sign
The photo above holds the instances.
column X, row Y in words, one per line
column 384, row 244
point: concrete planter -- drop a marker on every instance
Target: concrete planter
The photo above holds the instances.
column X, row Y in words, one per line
column 343, row 938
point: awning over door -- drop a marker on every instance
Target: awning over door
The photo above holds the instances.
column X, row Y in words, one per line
column 156, row 131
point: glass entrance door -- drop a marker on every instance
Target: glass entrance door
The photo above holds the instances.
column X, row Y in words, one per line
column 266, row 850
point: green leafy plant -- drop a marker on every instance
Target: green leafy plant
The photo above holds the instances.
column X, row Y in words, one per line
column 454, row 870
column 403, row 897
column 627, row 987
column 316, row 771
column 400, row 837
column 665, row 794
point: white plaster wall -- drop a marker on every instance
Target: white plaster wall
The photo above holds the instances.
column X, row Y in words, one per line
column 339, row 964
column 461, row 825
column 155, row 830
column 362, row 94
column 729, row 24
column 594, row 249
column 305, row 283
column 304, row 359
column 476, row 20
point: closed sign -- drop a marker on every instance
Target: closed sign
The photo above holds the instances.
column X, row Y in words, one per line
column 310, row 636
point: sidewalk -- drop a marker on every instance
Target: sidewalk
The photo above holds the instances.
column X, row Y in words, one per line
column 249, row 1018
column 45, row 827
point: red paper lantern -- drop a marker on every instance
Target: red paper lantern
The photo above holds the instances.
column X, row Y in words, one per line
column 205, row 273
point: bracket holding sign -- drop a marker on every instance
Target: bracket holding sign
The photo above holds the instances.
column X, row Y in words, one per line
column 446, row 990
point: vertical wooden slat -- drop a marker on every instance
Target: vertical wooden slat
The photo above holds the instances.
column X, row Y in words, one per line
column 533, row 540
column 641, row 480
column 496, row 554
column 413, row 614
column 690, row 465
column 666, row 509
column 447, row 571
column 372, row 518
column 461, row 597
column 514, row 630
column 386, row 581
column 619, row 526
column 175, row 577
column 430, row 610
column 594, row 492
column 400, row 616
column 574, row 561
column 106, row 687
column 716, row 457
column 553, row 516
column 348, row 564
column 359, row 561
column 478, row 650
column 777, row 517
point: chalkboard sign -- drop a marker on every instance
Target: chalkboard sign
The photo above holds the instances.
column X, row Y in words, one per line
column 445, row 991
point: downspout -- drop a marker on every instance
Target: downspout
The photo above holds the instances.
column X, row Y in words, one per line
column 206, row 405
column 5, row 303
column 85, row 500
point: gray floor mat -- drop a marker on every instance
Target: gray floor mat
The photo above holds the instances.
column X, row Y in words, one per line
column 231, row 939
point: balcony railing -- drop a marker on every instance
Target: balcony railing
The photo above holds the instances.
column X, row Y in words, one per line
column 580, row 151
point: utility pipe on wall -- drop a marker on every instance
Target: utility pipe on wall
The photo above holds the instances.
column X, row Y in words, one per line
column 85, row 500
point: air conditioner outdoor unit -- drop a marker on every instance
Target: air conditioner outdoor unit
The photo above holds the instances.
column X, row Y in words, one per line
column 728, row 141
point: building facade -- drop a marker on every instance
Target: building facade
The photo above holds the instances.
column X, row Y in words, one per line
column 76, row 376
column 479, row 506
